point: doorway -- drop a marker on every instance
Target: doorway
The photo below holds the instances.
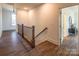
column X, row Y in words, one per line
column 69, row 29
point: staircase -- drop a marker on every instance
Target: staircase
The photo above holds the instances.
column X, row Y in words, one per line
column 45, row 48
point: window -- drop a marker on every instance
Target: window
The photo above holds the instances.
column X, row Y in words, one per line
column 13, row 19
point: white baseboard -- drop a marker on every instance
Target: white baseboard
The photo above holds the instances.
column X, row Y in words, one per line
column 54, row 42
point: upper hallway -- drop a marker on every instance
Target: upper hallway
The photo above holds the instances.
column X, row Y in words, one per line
column 40, row 15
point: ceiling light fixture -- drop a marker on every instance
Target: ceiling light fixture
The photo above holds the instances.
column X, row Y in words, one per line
column 25, row 8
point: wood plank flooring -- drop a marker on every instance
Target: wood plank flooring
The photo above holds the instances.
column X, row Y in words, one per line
column 71, row 43
column 44, row 49
column 11, row 44
column 48, row 49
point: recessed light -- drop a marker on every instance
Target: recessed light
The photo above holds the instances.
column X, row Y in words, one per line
column 25, row 8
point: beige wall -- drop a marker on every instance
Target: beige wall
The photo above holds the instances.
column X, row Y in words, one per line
column 22, row 17
column 46, row 15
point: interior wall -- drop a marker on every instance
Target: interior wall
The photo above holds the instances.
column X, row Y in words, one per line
column 46, row 15
column 22, row 17
column 0, row 21
column 7, row 20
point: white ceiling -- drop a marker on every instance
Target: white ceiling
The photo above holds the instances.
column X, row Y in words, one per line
column 64, row 5
column 32, row 5
column 25, row 5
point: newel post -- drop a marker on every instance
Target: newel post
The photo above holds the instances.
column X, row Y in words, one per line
column 22, row 30
column 33, row 36
column 18, row 28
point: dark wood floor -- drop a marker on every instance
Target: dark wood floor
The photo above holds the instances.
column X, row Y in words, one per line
column 12, row 44
column 44, row 49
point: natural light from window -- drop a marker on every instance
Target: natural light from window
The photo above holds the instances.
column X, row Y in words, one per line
column 13, row 19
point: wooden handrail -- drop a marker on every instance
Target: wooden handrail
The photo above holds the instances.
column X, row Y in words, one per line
column 25, row 26
column 18, row 24
column 32, row 43
column 28, row 27
column 33, row 34
column 41, row 32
